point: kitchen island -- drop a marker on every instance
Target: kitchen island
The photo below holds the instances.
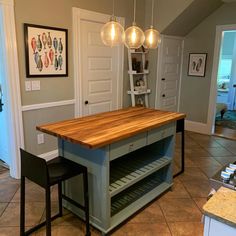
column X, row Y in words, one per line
column 128, row 153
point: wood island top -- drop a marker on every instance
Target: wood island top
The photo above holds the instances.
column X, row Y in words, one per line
column 98, row 130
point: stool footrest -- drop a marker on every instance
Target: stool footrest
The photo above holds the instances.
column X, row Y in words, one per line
column 73, row 202
column 28, row 232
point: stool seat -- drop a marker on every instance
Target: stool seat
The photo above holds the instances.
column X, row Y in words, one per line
column 60, row 169
column 47, row 174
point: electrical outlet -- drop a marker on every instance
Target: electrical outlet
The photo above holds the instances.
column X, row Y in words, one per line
column 40, row 138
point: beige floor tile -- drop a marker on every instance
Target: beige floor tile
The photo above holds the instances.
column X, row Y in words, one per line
column 210, row 171
column 200, row 188
column 11, row 216
column 225, row 142
column 2, row 207
column 205, row 161
column 7, row 191
column 225, row 160
column 219, row 151
column 186, row 228
column 180, row 209
column 144, row 229
column 150, row 214
column 196, row 152
column 35, row 193
column 9, row 231
column 178, row 191
column 200, row 202
column 192, row 174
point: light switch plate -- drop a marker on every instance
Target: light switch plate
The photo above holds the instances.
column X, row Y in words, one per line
column 27, row 85
column 35, row 85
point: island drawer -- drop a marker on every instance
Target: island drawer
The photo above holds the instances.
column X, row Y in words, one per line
column 128, row 145
column 160, row 133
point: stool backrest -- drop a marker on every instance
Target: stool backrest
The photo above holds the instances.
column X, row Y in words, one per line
column 34, row 168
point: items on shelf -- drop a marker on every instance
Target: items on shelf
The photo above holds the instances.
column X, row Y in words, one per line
column 138, row 71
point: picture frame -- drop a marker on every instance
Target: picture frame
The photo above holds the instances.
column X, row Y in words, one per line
column 197, row 64
column 46, row 51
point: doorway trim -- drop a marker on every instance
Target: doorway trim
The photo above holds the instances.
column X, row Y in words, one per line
column 158, row 72
column 16, row 135
column 213, row 88
column 78, row 15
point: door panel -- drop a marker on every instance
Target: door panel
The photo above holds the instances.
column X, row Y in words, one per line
column 99, row 70
column 170, row 67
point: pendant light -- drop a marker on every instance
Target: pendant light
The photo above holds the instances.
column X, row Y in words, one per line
column 152, row 36
column 112, row 33
column 134, row 36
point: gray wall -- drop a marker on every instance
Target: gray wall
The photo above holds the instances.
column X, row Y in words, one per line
column 58, row 13
column 195, row 91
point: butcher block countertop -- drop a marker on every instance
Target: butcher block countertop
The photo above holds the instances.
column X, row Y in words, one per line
column 98, row 130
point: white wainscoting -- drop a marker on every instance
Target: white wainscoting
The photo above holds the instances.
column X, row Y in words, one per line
column 47, row 105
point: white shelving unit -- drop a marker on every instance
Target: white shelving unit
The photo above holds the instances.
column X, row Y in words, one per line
column 138, row 77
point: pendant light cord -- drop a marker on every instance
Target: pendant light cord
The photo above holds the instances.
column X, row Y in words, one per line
column 152, row 12
column 113, row 8
column 134, row 9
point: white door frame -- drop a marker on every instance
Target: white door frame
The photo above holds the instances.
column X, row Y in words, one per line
column 213, row 88
column 13, row 98
column 78, row 15
column 159, row 65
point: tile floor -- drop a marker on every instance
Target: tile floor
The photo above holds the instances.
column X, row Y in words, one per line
column 177, row 212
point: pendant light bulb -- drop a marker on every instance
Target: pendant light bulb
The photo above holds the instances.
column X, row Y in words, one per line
column 152, row 36
column 134, row 36
column 112, row 33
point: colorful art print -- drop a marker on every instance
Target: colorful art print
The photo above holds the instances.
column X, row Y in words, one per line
column 197, row 64
column 46, row 51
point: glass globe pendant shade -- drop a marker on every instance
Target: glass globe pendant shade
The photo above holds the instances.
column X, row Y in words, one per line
column 112, row 33
column 152, row 38
column 134, row 37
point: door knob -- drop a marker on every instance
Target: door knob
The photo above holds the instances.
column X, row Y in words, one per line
column 163, row 79
column 163, row 95
column 86, row 102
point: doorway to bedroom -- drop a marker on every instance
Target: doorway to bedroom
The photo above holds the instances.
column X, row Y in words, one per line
column 225, row 117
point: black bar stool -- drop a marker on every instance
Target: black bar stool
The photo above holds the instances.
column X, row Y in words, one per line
column 47, row 174
column 180, row 128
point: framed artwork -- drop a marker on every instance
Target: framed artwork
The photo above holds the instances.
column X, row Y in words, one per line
column 46, row 51
column 197, row 64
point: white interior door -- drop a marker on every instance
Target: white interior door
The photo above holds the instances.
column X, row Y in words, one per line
column 100, row 71
column 169, row 73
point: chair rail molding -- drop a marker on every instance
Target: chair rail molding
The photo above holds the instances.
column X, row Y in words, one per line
column 12, row 80
column 47, row 105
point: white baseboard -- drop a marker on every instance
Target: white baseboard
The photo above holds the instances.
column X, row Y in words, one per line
column 197, row 127
column 49, row 155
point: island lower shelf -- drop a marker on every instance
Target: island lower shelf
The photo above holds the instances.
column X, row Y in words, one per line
column 128, row 198
column 120, row 187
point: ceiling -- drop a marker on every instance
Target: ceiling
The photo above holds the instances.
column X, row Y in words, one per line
column 193, row 15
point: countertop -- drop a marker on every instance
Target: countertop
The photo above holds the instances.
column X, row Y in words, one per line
column 98, row 130
column 222, row 206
